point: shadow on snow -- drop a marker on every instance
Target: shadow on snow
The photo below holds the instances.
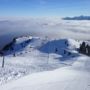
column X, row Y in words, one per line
column 59, row 47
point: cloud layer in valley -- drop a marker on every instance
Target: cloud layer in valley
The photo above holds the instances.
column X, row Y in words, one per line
column 53, row 28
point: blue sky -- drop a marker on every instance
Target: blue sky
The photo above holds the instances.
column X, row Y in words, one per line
column 41, row 8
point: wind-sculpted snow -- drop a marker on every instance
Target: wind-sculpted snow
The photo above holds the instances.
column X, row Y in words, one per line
column 53, row 28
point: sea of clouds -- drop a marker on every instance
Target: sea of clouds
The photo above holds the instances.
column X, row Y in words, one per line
column 50, row 27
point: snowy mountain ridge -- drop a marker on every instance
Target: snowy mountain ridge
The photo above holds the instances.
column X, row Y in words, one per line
column 34, row 54
column 57, row 58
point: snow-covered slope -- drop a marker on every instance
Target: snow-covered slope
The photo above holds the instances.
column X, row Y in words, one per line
column 34, row 54
column 75, row 77
column 57, row 61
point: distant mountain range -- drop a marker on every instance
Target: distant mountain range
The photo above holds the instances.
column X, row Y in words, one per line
column 77, row 18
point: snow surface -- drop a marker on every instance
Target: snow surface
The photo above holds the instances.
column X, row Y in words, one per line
column 56, row 70
column 74, row 77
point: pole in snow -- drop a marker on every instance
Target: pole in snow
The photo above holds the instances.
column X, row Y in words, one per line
column 3, row 62
column 3, row 58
